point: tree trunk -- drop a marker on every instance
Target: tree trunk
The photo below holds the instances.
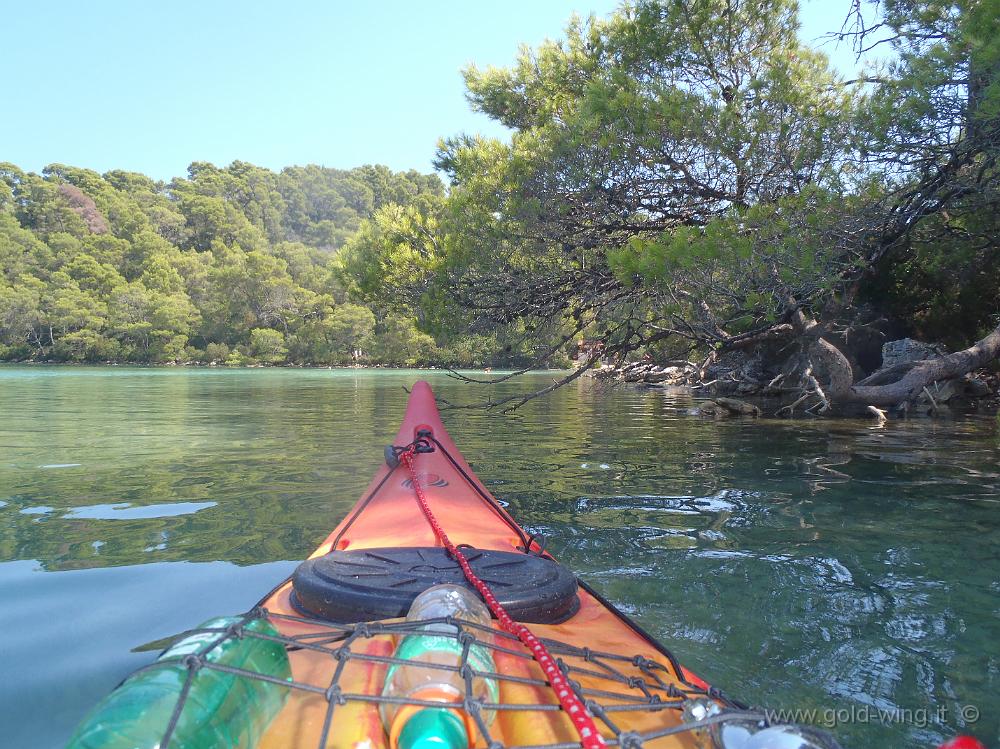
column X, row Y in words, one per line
column 841, row 389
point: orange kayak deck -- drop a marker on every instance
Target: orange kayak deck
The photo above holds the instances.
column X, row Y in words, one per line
column 614, row 664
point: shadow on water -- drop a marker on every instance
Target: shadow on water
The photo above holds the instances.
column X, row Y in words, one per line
column 828, row 565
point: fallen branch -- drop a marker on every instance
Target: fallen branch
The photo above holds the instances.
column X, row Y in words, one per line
column 791, row 406
column 817, row 391
column 704, row 384
column 520, row 400
column 880, row 416
column 930, row 397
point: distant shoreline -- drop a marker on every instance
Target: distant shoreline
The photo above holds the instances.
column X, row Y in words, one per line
column 202, row 365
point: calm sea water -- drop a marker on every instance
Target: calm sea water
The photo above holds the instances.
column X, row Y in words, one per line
column 820, row 565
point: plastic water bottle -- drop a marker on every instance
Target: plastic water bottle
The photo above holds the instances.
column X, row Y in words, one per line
column 221, row 710
column 447, row 727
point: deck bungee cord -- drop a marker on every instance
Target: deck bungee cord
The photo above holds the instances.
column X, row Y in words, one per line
column 590, row 737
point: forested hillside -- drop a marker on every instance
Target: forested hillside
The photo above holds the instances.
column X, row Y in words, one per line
column 236, row 265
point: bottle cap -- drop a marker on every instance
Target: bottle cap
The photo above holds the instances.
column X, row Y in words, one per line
column 434, row 728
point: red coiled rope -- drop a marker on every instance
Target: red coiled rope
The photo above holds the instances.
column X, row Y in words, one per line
column 590, row 737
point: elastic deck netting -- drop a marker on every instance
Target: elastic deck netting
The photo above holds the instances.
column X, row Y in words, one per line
column 617, row 686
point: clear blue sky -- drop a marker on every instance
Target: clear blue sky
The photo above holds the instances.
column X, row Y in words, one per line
column 153, row 86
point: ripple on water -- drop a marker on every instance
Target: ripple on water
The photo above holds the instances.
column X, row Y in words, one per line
column 724, row 501
column 637, row 503
column 870, row 675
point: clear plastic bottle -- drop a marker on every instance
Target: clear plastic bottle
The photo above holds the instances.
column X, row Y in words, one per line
column 448, row 727
column 222, row 710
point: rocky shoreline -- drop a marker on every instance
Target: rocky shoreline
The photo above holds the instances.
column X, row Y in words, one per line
column 736, row 385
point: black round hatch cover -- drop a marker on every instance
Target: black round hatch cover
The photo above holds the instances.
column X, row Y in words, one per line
column 370, row 584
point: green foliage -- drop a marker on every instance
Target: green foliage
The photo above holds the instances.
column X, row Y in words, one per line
column 941, row 87
column 236, row 265
column 933, row 123
column 470, row 351
column 216, row 352
column 401, row 258
column 687, row 173
column 947, row 286
column 399, row 342
column 399, row 244
column 710, row 103
column 678, row 166
column 268, row 345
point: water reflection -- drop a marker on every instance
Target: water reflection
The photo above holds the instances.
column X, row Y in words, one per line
column 797, row 564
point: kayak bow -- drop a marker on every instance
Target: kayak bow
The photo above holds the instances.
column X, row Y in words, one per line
column 385, row 551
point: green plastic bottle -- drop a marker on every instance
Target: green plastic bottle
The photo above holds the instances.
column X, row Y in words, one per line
column 437, row 728
column 222, row 710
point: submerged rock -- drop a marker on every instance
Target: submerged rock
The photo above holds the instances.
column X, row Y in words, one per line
column 728, row 407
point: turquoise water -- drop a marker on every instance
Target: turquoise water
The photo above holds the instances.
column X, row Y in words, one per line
column 806, row 564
